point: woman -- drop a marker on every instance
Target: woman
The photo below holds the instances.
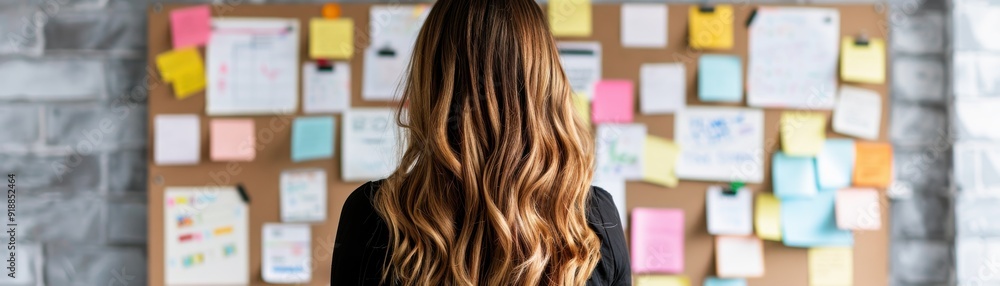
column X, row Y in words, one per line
column 494, row 185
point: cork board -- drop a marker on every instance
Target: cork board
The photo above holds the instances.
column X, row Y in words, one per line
column 785, row 266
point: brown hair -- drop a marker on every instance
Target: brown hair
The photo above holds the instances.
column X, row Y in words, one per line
column 494, row 181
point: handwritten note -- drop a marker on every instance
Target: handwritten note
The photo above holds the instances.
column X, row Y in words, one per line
column 582, row 64
column 831, row 266
column 712, row 281
column 720, row 144
column 644, row 25
column 191, row 26
column 862, row 63
column 792, row 60
column 657, row 240
column 662, row 280
column 858, row 113
column 614, row 101
column 711, row 29
column 835, row 164
column 221, row 258
column 303, row 195
column 253, row 66
column 326, row 90
column 811, row 222
column 873, row 164
column 802, row 133
column 663, row 88
column 720, row 78
column 660, row 159
column 729, row 214
column 620, row 150
column 286, row 258
column 739, row 256
column 369, row 144
column 177, row 139
column 793, row 177
column 768, row 217
column 331, row 38
column 858, row 209
column 184, row 69
column 233, row 140
column 312, row 138
column 570, row 18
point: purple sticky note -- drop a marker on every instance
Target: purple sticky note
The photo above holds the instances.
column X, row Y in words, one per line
column 614, row 101
column 191, row 26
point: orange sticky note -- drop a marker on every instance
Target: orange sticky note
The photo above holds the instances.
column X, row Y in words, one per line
column 872, row 164
column 232, row 140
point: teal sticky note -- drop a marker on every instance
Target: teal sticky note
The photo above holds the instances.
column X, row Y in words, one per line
column 312, row 138
column 811, row 222
column 720, row 78
column 793, row 177
column 712, row 281
column 835, row 164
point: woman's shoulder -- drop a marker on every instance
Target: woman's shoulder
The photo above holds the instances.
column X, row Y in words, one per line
column 365, row 193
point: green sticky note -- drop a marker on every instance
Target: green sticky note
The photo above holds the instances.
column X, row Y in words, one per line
column 312, row 138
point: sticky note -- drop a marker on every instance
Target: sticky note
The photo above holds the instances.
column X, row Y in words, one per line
column 331, row 38
column 858, row 209
column 729, row 214
column 862, row 63
column 802, row 133
column 858, row 113
column 614, row 101
column 232, row 140
column 312, row 138
column 767, row 214
column 191, row 26
column 644, row 25
column 739, row 256
column 711, row 29
column 811, row 222
column 663, row 88
column 570, row 18
column 662, row 280
column 872, row 164
column 720, row 78
column 835, row 164
column 831, row 266
column 177, row 139
column 713, row 281
column 660, row 159
column 793, row 177
column 184, row 69
column 581, row 103
column 657, row 240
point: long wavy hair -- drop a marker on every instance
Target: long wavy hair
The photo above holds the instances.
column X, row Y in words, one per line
column 495, row 176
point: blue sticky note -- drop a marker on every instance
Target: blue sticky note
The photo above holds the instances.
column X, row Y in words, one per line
column 720, row 78
column 793, row 177
column 835, row 164
column 811, row 222
column 312, row 138
column 712, row 281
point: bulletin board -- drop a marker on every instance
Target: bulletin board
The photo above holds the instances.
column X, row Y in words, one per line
column 784, row 266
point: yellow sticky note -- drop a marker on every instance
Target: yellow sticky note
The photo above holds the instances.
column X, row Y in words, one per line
column 662, row 280
column 768, row 216
column 582, row 105
column 658, row 166
column 188, row 84
column 185, row 69
column 331, row 38
column 570, row 18
column 831, row 266
column 802, row 132
column 711, row 29
column 859, row 63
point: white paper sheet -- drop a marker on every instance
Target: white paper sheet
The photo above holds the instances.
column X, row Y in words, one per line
column 793, row 54
column 858, row 113
column 663, row 88
column 394, row 32
column 205, row 236
column 286, row 255
column 581, row 62
column 253, row 66
column 303, row 195
column 177, row 139
column 616, row 187
column 370, row 143
column 326, row 91
column 384, row 73
column 739, row 256
column 620, row 150
column 720, row 144
column 644, row 25
column 729, row 214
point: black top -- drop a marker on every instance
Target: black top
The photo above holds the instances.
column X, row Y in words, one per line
column 363, row 239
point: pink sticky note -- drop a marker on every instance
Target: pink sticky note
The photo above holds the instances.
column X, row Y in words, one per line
column 614, row 101
column 191, row 26
column 657, row 240
column 233, row 140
